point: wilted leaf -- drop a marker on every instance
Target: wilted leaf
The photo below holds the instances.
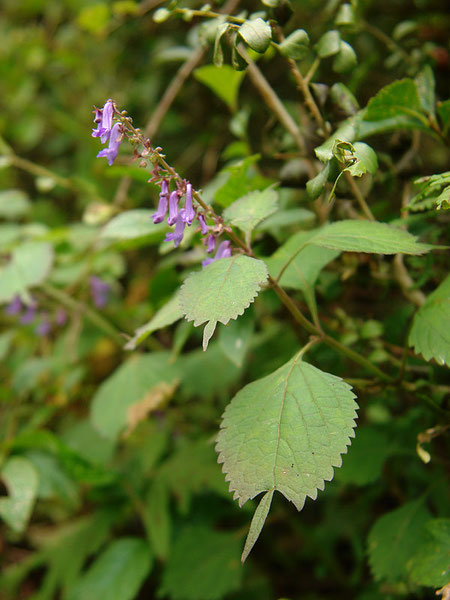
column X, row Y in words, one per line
column 155, row 399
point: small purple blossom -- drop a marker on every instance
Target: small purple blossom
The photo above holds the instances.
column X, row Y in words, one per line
column 104, row 118
column 223, row 251
column 173, row 208
column 99, row 291
column 29, row 314
column 160, row 214
column 210, row 243
column 203, row 226
column 177, row 234
column 189, row 209
column 44, row 327
column 110, row 153
column 14, row 307
column 61, row 317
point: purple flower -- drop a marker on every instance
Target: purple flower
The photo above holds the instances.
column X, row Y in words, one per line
column 160, row 214
column 44, row 327
column 203, row 226
column 223, row 251
column 173, row 208
column 99, row 291
column 112, row 150
column 14, row 307
column 210, row 243
column 189, row 214
column 29, row 314
column 177, row 235
column 61, row 317
column 104, row 118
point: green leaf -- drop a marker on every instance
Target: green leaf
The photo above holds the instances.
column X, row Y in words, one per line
column 257, row 34
column 343, row 98
column 234, row 338
column 286, row 432
column 315, row 186
column 430, row 334
column 218, row 51
column 394, row 539
column 168, row 314
column 399, row 97
column 239, row 181
column 426, row 85
column 247, row 212
column 132, row 383
column 14, row 204
column 21, row 480
column 345, row 15
column 117, row 574
column 329, row 44
column 444, row 114
column 29, row 265
column 157, row 518
column 304, row 269
column 296, row 45
column 259, row 518
column 430, row 565
column 366, row 457
column 286, row 218
column 368, row 236
column 359, row 157
column 223, row 81
column 346, row 59
column 203, row 565
column 131, row 225
column 221, row 291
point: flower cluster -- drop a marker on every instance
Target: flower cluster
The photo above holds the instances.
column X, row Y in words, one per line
column 106, row 131
column 29, row 314
column 179, row 215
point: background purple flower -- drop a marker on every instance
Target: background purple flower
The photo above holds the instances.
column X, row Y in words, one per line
column 14, row 307
column 99, row 291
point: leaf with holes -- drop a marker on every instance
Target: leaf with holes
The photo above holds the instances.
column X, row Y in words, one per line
column 286, row 432
column 368, row 236
column 430, row 333
column 221, row 291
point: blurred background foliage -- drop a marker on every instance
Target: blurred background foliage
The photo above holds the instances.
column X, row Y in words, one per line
column 121, row 508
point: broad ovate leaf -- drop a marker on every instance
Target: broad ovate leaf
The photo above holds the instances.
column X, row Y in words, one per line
column 132, row 225
column 21, row 480
column 165, row 316
column 223, row 81
column 368, row 236
column 430, row 565
column 250, row 210
column 29, row 265
column 399, row 97
column 221, row 291
column 286, row 432
column 430, row 332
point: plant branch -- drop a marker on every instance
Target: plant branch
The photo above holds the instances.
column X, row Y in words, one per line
column 358, row 196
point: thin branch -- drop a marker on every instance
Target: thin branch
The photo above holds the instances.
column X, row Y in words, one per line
column 358, row 196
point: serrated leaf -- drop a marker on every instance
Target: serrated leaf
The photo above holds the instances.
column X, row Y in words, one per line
column 21, row 480
column 223, row 81
column 221, row 291
column 250, row 210
column 296, row 45
column 430, row 565
column 396, row 98
column 259, row 518
column 165, row 316
column 117, row 574
column 29, row 265
column 443, row 110
column 131, row 225
column 394, row 539
column 368, row 236
column 238, row 183
column 430, row 333
column 203, row 565
column 328, row 44
column 426, row 85
column 127, row 386
column 286, row 432
column 257, row 34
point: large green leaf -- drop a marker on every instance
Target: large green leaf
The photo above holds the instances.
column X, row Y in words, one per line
column 368, row 236
column 135, row 382
column 399, row 97
column 165, row 316
column 117, row 574
column 223, row 81
column 286, row 432
column 394, row 539
column 247, row 212
column 430, row 332
column 29, row 265
column 430, row 565
column 157, row 517
column 221, row 291
column 203, row 565
column 132, row 225
column 21, row 480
